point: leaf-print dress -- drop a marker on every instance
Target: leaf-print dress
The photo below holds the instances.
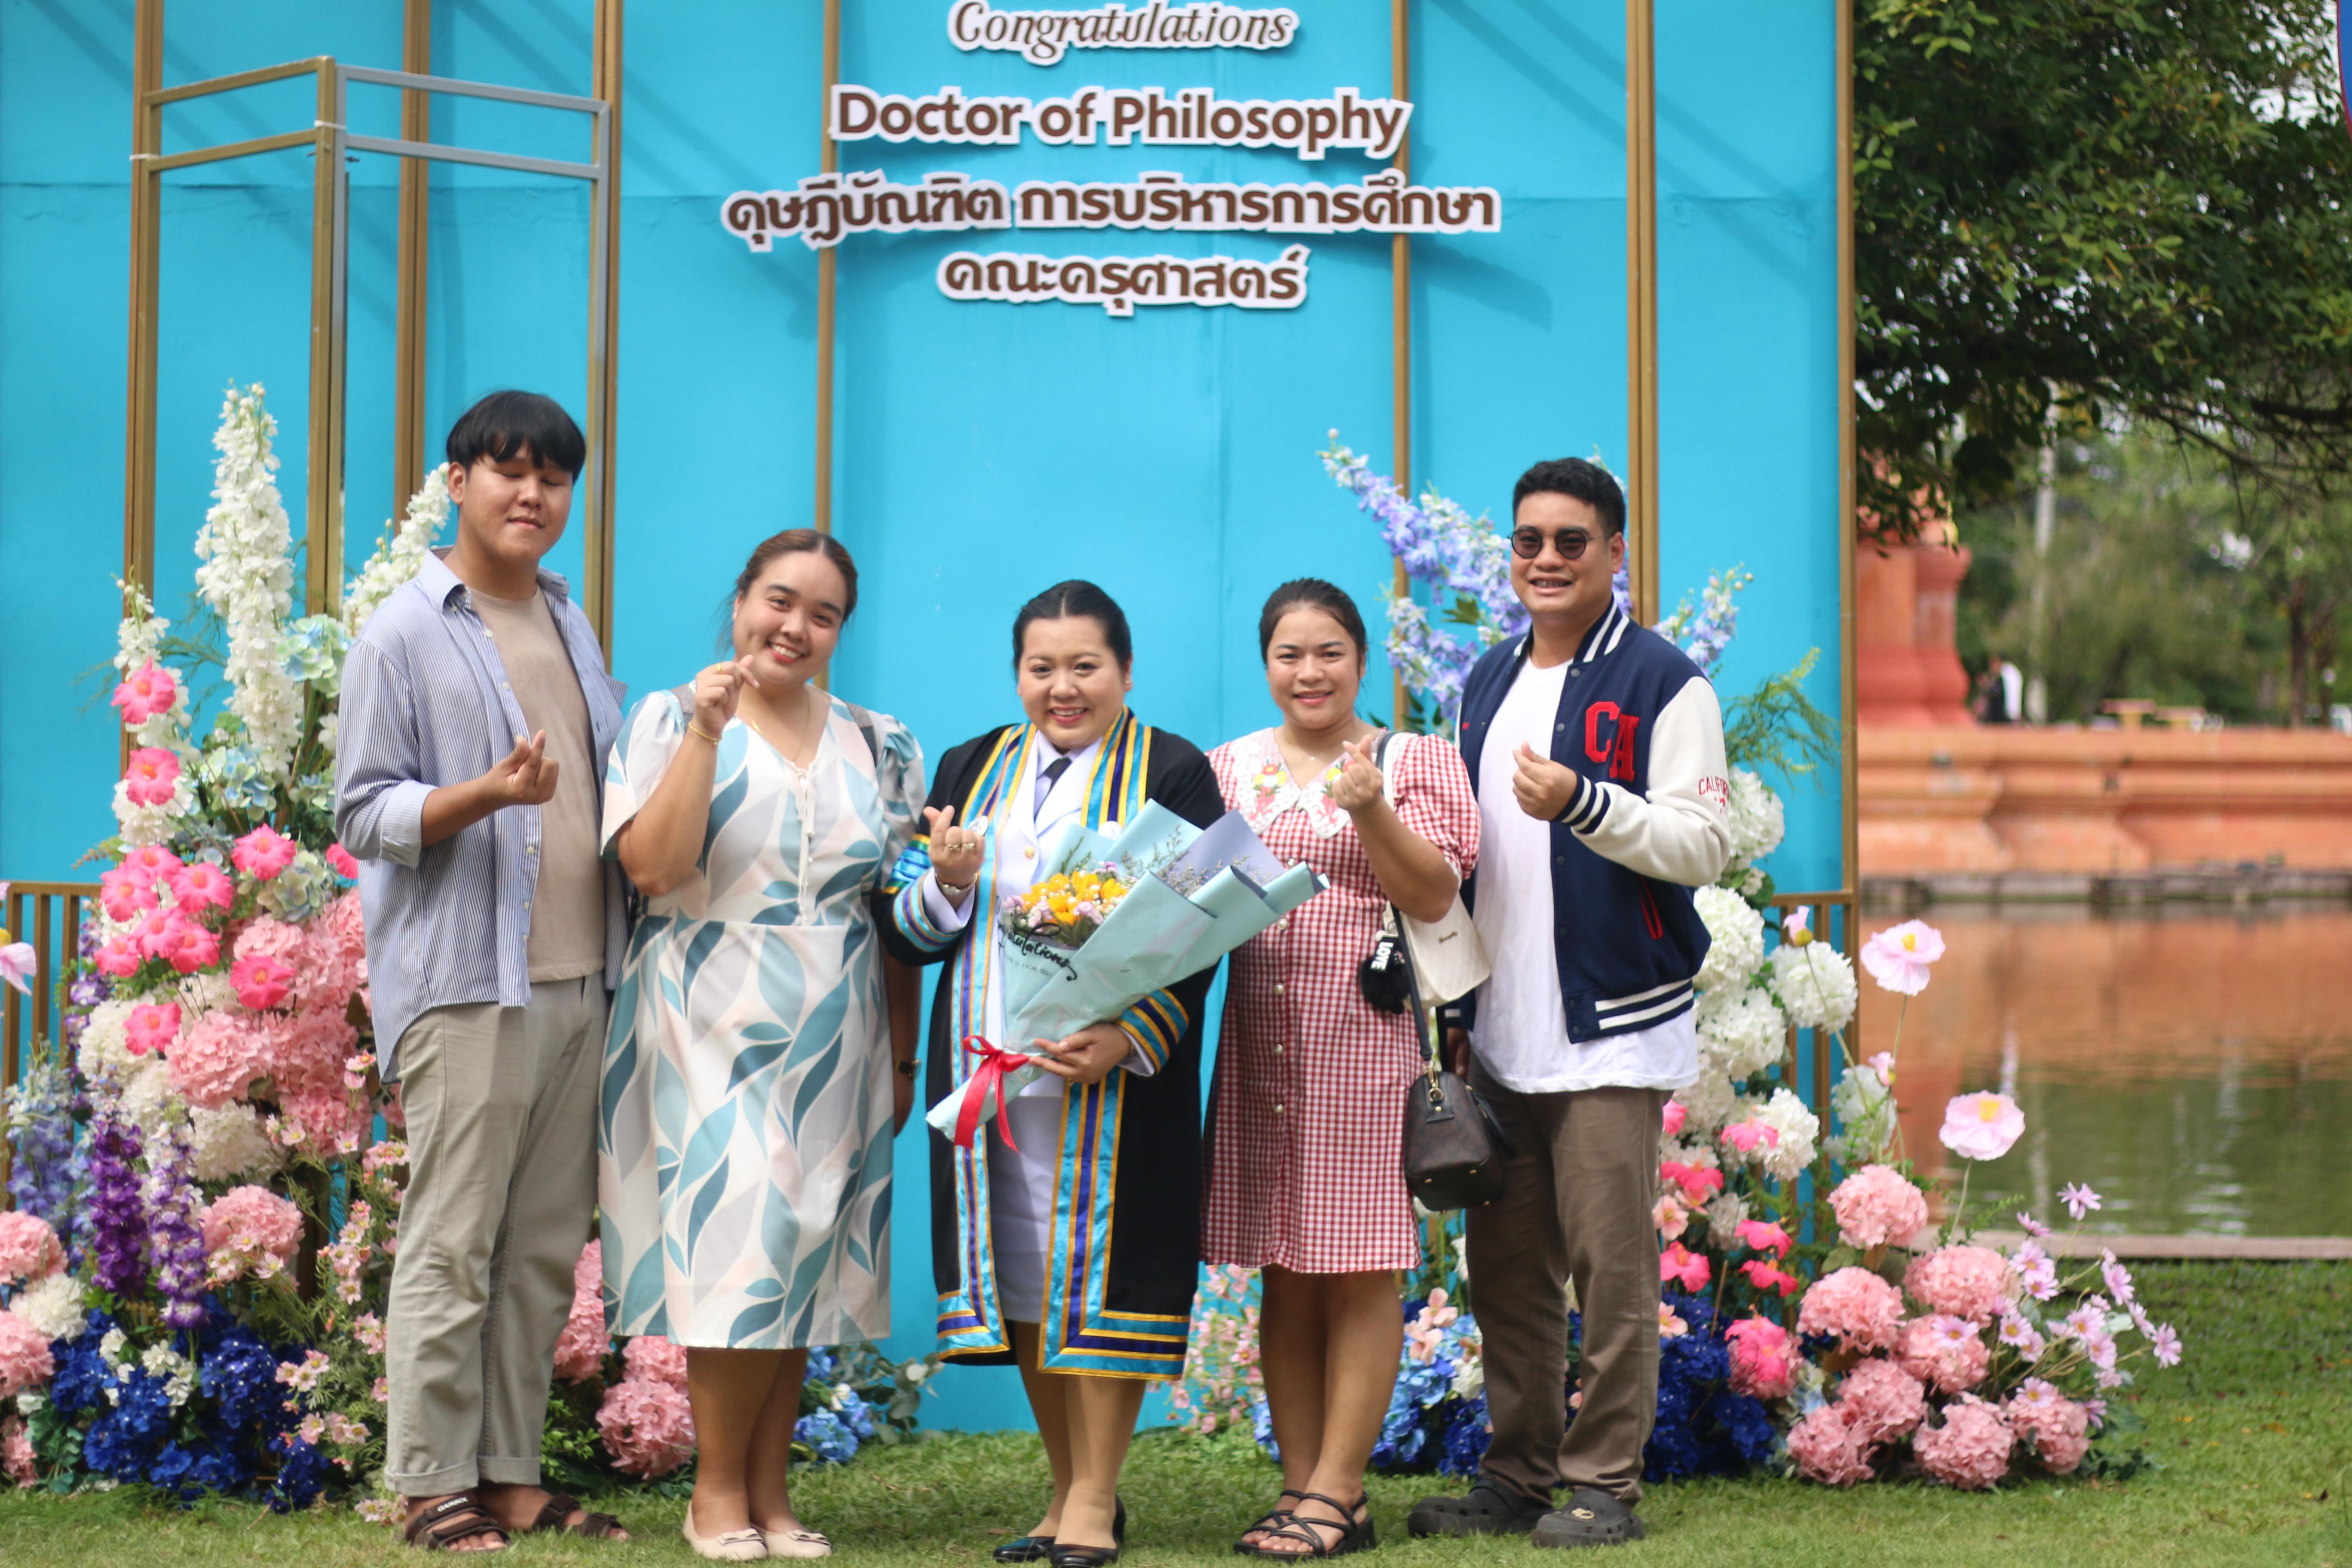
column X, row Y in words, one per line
column 744, row 1131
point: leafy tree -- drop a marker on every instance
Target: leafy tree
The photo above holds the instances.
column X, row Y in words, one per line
column 2135, row 207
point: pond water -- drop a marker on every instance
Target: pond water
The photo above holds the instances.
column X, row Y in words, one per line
column 2193, row 1066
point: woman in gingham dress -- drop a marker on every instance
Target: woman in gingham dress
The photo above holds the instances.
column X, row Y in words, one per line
column 1306, row 1119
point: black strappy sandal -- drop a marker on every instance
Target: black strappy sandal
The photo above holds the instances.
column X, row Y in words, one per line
column 1273, row 1519
column 559, row 1508
column 1356, row 1535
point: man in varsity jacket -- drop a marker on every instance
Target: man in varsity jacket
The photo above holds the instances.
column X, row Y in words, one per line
column 1596, row 748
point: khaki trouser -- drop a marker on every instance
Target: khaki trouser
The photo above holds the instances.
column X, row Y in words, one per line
column 501, row 1108
column 1577, row 1206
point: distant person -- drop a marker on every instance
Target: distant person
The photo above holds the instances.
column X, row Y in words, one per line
column 1596, row 749
column 2012, row 692
column 476, row 716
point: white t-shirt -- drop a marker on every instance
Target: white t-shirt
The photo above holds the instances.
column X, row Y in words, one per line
column 1521, row 1034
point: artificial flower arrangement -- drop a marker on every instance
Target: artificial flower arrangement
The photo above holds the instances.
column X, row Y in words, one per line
column 1809, row 1319
column 1067, row 907
column 207, row 1175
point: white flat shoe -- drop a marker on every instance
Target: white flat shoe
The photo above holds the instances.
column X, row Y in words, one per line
column 797, row 1543
column 745, row 1545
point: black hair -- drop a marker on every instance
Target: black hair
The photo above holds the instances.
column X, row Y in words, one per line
column 509, row 424
column 791, row 540
column 1574, row 478
column 1073, row 598
column 1314, row 594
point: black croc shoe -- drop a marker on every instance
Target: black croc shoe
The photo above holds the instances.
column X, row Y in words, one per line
column 1592, row 1518
column 1487, row 1510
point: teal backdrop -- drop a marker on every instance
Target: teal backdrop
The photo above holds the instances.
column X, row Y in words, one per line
column 983, row 450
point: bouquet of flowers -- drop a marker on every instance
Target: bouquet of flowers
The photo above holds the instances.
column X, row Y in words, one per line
column 1164, row 899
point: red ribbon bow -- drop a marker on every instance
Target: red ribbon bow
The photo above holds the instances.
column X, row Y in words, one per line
column 991, row 1063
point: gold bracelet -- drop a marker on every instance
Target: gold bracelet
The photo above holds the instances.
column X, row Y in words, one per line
column 697, row 730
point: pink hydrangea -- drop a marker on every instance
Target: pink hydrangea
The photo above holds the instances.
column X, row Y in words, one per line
column 1875, row 1205
column 267, row 937
column 343, row 862
column 648, row 1426
column 261, row 982
column 1945, row 1353
column 17, row 1460
column 1763, row 1358
column 263, row 853
column 1881, row 1401
column 1970, row 1449
column 28, row 1248
column 200, row 885
column 580, row 1350
column 151, row 1026
column 145, row 692
column 2058, row 1428
column 218, row 1057
column 652, row 1356
column 1972, row 1283
column 151, row 775
column 1828, row 1450
column 1982, row 1126
column 250, row 1230
column 1679, row 1265
column 24, row 1359
column 1859, row 1308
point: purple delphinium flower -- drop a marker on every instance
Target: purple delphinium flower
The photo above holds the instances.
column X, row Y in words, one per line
column 175, row 1240
column 118, row 1217
column 48, row 1167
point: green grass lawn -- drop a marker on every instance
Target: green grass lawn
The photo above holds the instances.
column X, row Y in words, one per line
column 2253, row 1436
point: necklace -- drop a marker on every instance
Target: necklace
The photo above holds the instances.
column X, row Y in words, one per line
column 803, row 749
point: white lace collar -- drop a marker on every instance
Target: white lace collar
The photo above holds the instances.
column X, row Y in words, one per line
column 1267, row 790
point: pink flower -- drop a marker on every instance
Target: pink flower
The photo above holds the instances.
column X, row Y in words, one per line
column 1944, row 1351
column 1676, row 1115
column 1763, row 1358
column 24, row 1359
column 262, row 982
column 1875, row 1205
column 118, row 957
column 125, row 895
column 1797, row 926
column 1971, row 1282
column 1747, row 1136
column 17, row 963
column 1764, row 1276
column 250, row 1230
column 145, row 692
column 149, row 775
column 1861, row 1310
column 2166, row 1341
column 1880, row 1401
column 2079, row 1199
column 1827, row 1450
column 581, row 1348
column 2058, row 1429
column 1670, row 1217
column 1679, row 1264
column 1970, row 1449
column 648, row 1426
column 263, row 853
column 655, row 1359
column 1671, row 1325
column 200, row 885
column 218, row 1057
column 153, row 1027
column 344, row 865
column 1898, row 957
column 2020, row 1336
column 183, row 944
column 1696, row 1180
column 151, row 863
column 1982, row 1126
column 17, row 1460
column 1764, row 1236
column 29, row 1248
column 2031, row 1227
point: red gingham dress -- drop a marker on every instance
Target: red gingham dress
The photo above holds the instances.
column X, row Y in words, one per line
column 1306, row 1116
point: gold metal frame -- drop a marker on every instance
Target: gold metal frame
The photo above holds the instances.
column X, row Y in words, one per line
column 1401, row 310
column 1641, row 307
column 330, row 142
column 828, row 161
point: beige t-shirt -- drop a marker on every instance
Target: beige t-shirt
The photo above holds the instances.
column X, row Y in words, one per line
column 567, row 912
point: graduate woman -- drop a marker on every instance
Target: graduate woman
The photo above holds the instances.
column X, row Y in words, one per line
column 1074, row 1252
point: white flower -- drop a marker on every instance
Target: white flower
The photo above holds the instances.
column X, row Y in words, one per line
column 1815, row 984
column 400, row 550
column 53, row 1305
column 1798, row 1129
column 109, row 1349
column 1736, row 933
column 229, row 1143
column 1709, row 1104
column 140, row 825
column 147, row 1099
column 1740, row 1033
column 106, row 1038
column 209, row 991
column 248, row 578
column 178, row 1372
column 1864, row 1108
column 139, row 642
column 1470, row 1377
column 1724, row 1218
column 1758, row 822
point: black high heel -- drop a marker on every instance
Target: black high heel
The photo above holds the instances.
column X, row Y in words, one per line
column 1025, row 1549
column 1066, row 1556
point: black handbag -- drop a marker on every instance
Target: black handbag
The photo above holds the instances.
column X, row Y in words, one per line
column 1453, row 1146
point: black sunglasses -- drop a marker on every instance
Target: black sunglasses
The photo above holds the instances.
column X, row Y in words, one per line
column 1528, row 542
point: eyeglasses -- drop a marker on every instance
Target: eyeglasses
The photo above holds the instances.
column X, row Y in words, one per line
column 1528, row 542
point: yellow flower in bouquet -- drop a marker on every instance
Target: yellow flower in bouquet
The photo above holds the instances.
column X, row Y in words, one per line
column 1067, row 907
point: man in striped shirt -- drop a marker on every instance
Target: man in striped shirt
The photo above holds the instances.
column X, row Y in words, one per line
column 476, row 716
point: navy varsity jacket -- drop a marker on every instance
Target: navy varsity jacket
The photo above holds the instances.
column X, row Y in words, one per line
column 1640, row 727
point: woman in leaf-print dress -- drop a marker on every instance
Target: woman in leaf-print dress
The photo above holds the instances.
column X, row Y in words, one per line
column 749, row 1092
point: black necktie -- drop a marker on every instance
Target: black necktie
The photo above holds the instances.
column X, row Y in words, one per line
column 1052, row 771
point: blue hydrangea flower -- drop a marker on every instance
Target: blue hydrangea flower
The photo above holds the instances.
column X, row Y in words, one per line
column 826, row 1433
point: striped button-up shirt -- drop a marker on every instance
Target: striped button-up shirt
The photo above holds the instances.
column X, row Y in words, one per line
column 426, row 704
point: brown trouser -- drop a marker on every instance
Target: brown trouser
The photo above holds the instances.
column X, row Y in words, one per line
column 1577, row 1206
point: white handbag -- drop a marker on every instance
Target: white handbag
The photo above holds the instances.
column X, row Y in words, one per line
column 1449, row 962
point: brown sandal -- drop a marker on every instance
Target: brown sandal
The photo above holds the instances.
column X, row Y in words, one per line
column 594, row 1526
column 458, row 1517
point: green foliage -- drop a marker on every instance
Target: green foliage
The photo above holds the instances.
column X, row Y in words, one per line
column 2135, row 203
column 1777, row 729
